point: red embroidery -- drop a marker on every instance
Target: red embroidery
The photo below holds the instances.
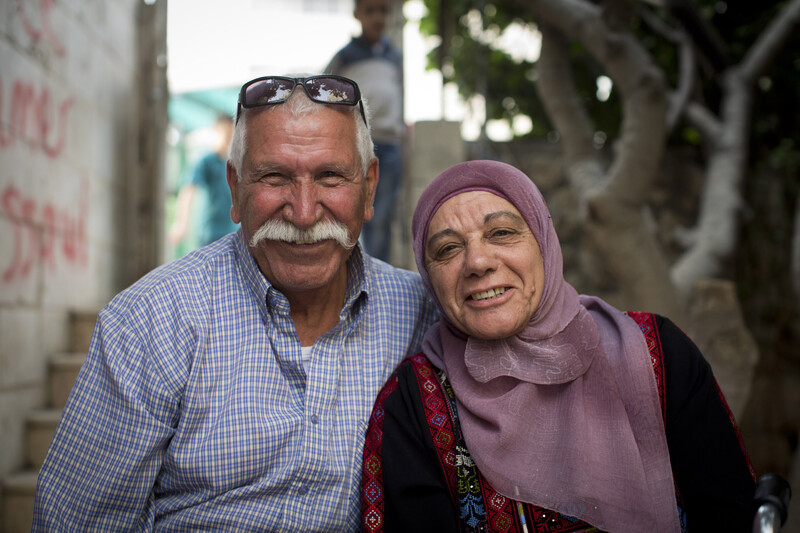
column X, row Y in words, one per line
column 647, row 323
column 372, row 494
column 501, row 512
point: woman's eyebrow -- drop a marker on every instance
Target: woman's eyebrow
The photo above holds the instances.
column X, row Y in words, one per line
column 503, row 214
column 447, row 232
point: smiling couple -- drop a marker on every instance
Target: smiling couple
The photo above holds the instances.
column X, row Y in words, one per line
column 231, row 389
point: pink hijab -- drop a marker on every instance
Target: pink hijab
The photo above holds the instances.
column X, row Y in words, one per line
column 564, row 415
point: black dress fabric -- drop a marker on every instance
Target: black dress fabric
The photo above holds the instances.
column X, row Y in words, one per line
column 713, row 476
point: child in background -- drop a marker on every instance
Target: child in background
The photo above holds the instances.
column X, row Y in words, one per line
column 377, row 66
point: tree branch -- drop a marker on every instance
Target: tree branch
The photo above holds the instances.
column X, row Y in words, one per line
column 615, row 210
column 718, row 223
column 641, row 86
column 770, row 42
column 687, row 65
column 703, row 35
column 704, row 120
column 795, row 261
column 564, row 107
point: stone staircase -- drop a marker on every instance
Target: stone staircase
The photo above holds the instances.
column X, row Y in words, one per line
column 19, row 489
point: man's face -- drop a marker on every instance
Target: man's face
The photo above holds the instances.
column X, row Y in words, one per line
column 372, row 14
column 302, row 170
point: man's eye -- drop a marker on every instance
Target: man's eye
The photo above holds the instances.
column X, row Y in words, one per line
column 331, row 178
column 272, row 177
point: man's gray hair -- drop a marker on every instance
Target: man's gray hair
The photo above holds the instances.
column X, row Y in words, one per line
column 300, row 104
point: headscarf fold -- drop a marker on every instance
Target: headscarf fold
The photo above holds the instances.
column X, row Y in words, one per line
column 565, row 414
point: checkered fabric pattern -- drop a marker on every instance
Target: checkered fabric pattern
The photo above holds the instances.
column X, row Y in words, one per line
column 194, row 410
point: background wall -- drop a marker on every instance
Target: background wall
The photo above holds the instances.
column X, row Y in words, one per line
column 78, row 171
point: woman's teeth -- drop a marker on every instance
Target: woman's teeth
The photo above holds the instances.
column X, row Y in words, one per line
column 491, row 293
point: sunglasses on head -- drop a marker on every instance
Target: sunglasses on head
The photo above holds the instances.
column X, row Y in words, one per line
column 325, row 89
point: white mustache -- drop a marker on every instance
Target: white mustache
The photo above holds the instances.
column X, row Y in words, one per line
column 281, row 230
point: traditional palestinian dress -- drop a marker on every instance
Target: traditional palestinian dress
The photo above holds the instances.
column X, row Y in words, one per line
column 436, row 486
column 560, row 427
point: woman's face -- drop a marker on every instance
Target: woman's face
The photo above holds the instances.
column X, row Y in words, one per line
column 484, row 264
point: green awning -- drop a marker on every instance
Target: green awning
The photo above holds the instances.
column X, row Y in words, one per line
column 198, row 109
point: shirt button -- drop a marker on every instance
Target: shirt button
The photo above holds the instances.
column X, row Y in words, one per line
column 303, row 490
column 314, row 419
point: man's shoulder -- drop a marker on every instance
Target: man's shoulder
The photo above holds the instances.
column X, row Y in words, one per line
column 211, row 157
column 353, row 52
column 341, row 59
column 188, row 277
column 210, row 162
column 390, row 281
column 385, row 274
column 391, row 52
column 399, row 292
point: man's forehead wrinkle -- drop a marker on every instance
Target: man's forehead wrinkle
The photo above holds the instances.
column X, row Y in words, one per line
column 263, row 167
column 352, row 171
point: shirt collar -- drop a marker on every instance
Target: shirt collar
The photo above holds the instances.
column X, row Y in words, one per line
column 358, row 283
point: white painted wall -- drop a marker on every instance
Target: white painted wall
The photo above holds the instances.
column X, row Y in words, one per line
column 67, row 73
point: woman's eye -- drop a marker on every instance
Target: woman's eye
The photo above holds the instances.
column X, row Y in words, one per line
column 446, row 251
column 502, row 232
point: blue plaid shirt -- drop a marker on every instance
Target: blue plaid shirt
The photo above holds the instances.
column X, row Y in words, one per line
column 194, row 411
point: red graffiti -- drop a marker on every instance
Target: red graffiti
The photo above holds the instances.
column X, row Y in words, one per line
column 45, row 29
column 30, row 115
column 44, row 233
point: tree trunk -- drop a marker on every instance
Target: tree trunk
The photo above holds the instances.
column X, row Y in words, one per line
column 613, row 201
column 714, row 240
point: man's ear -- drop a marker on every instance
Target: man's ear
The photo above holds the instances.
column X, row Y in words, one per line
column 371, row 184
column 233, row 184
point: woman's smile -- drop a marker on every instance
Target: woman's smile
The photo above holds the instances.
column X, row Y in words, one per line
column 491, row 294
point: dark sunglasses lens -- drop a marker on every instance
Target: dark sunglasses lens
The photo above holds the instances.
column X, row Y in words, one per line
column 331, row 90
column 269, row 91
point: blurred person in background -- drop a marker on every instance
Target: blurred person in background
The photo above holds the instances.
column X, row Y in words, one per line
column 207, row 187
column 373, row 61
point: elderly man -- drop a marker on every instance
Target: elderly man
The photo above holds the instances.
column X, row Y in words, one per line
column 230, row 390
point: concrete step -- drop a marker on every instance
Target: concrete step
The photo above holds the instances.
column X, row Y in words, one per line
column 19, row 492
column 40, row 428
column 64, row 370
column 82, row 324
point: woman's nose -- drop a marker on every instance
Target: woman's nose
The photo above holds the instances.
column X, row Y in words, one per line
column 478, row 259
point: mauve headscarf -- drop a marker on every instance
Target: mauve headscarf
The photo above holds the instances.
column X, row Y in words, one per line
column 564, row 415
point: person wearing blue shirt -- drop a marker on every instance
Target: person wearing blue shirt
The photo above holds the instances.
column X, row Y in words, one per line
column 208, row 180
column 230, row 390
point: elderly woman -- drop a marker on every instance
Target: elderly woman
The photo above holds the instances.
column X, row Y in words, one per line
column 534, row 408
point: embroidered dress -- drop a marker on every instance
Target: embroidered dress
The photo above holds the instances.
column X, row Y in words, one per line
column 392, row 497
